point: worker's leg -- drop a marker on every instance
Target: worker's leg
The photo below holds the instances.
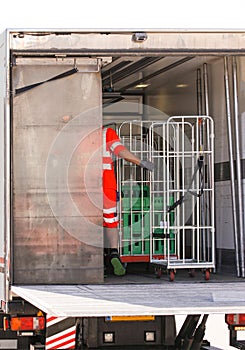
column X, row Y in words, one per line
column 111, row 237
column 111, row 231
column 111, row 241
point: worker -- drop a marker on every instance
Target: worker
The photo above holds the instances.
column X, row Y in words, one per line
column 112, row 145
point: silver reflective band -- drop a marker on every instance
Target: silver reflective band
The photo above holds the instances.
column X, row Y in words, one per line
column 110, row 210
column 106, row 167
column 115, row 144
column 111, row 220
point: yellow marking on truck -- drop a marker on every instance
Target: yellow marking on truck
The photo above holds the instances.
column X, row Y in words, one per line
column 129, row 318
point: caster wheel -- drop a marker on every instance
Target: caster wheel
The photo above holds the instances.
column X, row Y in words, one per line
column 171, row 276
column 158, row 272
column 207, row 275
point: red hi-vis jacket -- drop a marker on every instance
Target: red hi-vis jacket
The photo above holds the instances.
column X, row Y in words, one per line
column 111, row 145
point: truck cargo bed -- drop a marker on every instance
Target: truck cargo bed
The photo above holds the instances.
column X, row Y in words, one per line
column 139, row 295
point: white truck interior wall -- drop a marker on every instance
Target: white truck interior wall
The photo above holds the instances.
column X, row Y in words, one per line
column 224, row 219
column 123, row 110
column 184, row 102
column 223, row 213
column 218, row 109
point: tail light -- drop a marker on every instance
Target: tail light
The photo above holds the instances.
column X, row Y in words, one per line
column 6, row 324
column 27, row 323
column 235, row 319
column 236, row 325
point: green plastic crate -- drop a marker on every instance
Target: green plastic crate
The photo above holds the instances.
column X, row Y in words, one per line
column 158, row 203
column 133, row 225
column 132, row 248
column 134, row 199
column 134, row 222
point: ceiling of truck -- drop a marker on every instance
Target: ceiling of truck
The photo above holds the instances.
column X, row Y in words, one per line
column 152, row 74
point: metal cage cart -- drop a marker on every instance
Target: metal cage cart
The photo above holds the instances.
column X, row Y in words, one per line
column 167, row 217
column 134, row 188
column 184, row 179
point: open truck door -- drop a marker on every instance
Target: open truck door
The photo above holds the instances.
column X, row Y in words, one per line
column 56, row 146
column 50, row 184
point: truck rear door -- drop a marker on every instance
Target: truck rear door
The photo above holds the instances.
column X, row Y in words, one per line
column 56, row 170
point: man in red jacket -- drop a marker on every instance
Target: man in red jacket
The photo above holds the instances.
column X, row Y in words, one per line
column 112, row 145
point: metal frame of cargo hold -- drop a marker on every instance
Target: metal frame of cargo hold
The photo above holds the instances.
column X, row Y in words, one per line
column 165, row 215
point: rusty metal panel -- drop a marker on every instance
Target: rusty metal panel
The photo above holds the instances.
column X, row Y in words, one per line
column 56, row 165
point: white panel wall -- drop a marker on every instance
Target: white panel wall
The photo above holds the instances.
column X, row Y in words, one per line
column 184, row 104
column 223, row 212
column 218, row 109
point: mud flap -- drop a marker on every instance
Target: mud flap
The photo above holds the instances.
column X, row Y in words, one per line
column 60, row 333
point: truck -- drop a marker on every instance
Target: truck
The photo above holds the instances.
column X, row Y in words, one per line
column 58, row 89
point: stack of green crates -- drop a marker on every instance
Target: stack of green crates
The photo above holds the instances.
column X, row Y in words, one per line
column 133, row 225
column 136, row 221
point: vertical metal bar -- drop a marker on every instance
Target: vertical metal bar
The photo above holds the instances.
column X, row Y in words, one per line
column 238, row 165
column 212, row 189
column 194, row 231
column 205, row 87
column 140, row 145
column 206, row 108
column 177, row 183
column 131, row 191
column 182, row 153
column 165, row 198
column 177, row 189
column 119, row 188
column 168, row 177
column 200, row 144
column 233, row 192
column 151, row 141
column 167, row 193
column 198, row 209
column 199, row 92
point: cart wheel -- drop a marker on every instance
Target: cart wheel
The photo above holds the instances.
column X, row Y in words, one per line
column 158, row 272
column 192, row 273
column 207, row 275
column 171, row 275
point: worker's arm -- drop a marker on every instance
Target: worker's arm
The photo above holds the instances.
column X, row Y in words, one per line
column 130, row 157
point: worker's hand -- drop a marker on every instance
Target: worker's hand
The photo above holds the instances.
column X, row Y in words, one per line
column 147, row 165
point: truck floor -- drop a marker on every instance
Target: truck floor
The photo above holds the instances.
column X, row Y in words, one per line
column 142, row 294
